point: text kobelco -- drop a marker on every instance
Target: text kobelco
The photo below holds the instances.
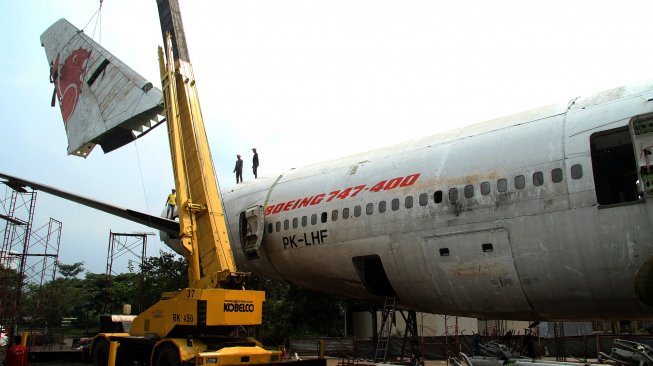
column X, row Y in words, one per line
column 238, row 308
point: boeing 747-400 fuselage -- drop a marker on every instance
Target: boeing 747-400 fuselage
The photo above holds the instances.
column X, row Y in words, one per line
column 540, row 215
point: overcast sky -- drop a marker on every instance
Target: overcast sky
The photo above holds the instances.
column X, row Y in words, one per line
column 303, row 81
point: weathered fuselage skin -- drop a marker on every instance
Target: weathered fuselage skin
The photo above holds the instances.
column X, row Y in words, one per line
column 548, row 250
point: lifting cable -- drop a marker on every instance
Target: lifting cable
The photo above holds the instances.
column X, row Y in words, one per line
column 54, row 73
column 140, row 170
column 98, row 21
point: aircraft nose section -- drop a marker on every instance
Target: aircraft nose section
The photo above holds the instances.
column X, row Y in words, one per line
column 644, row 282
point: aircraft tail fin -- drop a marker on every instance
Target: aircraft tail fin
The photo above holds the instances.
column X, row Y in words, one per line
column 103, row 101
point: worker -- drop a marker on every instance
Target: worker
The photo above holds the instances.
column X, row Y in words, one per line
column 17, row 354
column 172, row 202
column 255, row 162
column 239, row 169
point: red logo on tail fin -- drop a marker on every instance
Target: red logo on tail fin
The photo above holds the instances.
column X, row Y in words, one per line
column 68, row 80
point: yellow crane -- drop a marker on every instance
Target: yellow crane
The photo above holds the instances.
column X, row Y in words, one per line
column 192, row 325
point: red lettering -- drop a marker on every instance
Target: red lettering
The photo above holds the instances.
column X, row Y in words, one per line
column 317, row 199
column 379, row 186
column 344, row 193
column 277, row 208
column 286, row 207
column 332, row 195
column 410, row 180
column 393, row 183
column 357, row 189
column 305, row 202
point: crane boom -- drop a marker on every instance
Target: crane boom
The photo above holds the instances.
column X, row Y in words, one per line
column 203, row 230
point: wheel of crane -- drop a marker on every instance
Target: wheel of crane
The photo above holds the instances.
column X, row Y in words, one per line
column 167, row 355
column 101, row 352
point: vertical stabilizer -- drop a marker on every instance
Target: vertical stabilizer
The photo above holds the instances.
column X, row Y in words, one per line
column 102, row 100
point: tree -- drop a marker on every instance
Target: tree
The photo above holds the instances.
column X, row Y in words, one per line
column 289, row 311
column 292, row 311
column 161, row 274
column 69, row 271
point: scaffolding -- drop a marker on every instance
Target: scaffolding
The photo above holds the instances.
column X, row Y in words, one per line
column 132, row 245
column 451, row 337
column 27, row 257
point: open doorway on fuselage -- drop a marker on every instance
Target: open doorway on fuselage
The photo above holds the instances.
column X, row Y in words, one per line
column 370, row 271
column 614, row 166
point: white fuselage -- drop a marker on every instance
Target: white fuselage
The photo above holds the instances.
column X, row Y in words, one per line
column 499, row 219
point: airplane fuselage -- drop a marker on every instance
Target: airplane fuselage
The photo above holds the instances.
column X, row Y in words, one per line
column 540, row 215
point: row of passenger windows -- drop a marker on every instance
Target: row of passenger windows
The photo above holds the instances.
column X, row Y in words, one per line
column 468, row 192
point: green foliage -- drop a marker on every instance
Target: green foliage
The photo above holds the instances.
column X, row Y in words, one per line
column 84, row 299
column 69, row 271
column 161, row 274
column 291, row 311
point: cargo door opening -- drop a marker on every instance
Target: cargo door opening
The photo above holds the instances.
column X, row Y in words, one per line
column 251, row 227
column 371, row 273
column 614, row 167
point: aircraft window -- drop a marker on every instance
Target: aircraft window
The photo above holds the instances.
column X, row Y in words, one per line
column 382, row 206
column 485, row 188
column 423, row 199
column 334, row 215
column 487, row 248
column 409, row 202
column 520, row 182
column 304, row 221
column 357, row 211
column 556, row 175
column 502, row 185
column 278, row 226
column 324, row 217
column 437, row 196
column 576, row 171
column 269, row 228
column 345, row 213
column 395, row 204
column 444, row 252
column 369, row 209
column 469, row 191
column 286, row 224
column 295, row 223
column 538, row 179
column 453, row 195
column 313, row 219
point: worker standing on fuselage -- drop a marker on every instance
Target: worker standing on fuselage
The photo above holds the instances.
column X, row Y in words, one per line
column 238, row 169
column 255, row 162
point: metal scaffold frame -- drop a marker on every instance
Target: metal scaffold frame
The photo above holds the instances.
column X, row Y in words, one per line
column 121, row 244
column 27, row 256
column 451, row 340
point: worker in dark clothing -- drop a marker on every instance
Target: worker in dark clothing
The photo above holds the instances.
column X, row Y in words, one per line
column 255, row 162
column 476, row 341
column 17, row 354
column 239, row 169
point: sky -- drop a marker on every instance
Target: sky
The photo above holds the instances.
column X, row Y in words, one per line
column 303, row 82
